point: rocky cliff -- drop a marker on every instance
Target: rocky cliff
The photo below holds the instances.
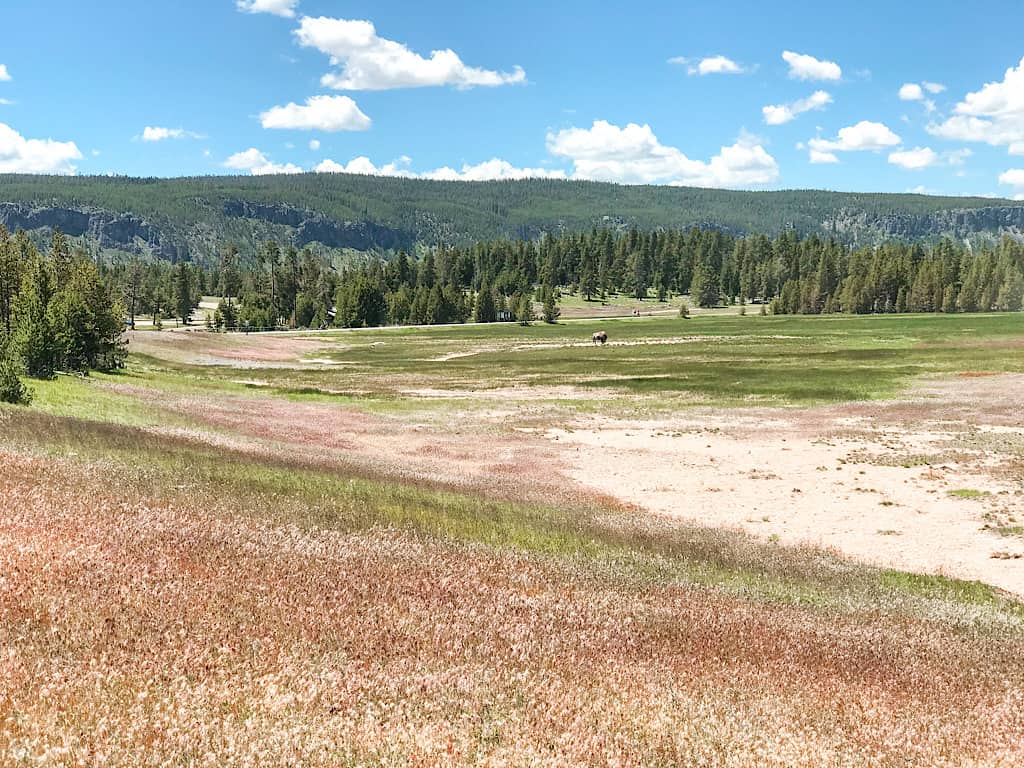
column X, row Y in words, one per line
column 192, row 218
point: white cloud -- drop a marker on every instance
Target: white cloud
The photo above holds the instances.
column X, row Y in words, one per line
column 155, row 133
column 6, row 102
column 4, row 74
column 492, row 169
column 369, row 62
column 920, row 189
column 21, row 155
column 485, row 171
column 257, row 163
column 915, row 92
column 314, row 145
column 284, row 8
column 363, row 165
column 865, row 136
column 1012, row 178
column 958, row 156
column 804, row 67
column 994, row 114
column 819, row 157
column 783, row 113
column 911, row 92
column 321, row 113
column 709, row 65
column 914, row 159
column 633, row 155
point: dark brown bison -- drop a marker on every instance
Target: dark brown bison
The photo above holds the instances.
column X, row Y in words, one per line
column 600, row 336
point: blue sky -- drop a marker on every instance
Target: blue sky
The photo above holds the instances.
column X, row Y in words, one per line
column 925, row 96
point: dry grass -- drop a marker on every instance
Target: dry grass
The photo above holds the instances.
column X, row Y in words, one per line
column 282, row 580
column 169, row 627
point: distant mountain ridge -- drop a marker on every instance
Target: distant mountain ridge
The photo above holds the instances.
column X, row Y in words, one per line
column 191, row 218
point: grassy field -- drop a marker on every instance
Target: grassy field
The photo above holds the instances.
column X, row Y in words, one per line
column 704, row 360
column 197, row 568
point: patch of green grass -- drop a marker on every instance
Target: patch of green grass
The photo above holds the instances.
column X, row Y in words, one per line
column 713, row 360
column 87, row 398
column 939, row 587
column 968, row 493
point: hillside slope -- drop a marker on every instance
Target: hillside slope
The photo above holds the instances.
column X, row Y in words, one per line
column 192, row 217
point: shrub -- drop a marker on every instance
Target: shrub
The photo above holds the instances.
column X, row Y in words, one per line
column 12, row 390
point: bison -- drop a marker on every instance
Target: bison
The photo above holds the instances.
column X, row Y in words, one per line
column 600, row 336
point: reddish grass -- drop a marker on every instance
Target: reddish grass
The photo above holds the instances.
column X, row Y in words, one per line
column 138, row 630
column 336, row 437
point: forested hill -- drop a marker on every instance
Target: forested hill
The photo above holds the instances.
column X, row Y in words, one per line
column 191, row 218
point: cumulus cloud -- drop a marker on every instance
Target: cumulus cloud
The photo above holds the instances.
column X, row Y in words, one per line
column 916, row 91
column 258, row 164
column 1013, row 177
column 369, row 62
column 156, row 133
column 820, row 157
column 320, row 113
column 914, row 159
column 865, row 136
column 804, row 67
column 364, row 166
column 633, row 155
column 21, row 155
column 783, row 113
column 911, row 92
column 993, row 115
column 492, row 169
column 709, row 65
column 4, row 74
column 485, row 171
column 314, row 145
column 284, row 8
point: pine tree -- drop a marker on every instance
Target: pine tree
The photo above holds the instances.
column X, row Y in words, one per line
column 551, row 311
column 184, row 298
column 1011, row 292
column 704, row 288
column 949, row 300
column 12, row 268
column 588, row 283
column 12, row 389
column 486, row 311
column 524, row 310
column 33, row 339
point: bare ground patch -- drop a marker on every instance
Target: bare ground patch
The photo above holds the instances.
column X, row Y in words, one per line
column 930, row 484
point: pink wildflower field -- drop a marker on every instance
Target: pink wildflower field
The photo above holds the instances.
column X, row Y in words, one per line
column 163, row 628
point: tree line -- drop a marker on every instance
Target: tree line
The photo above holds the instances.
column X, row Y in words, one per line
column 505, row 279
column 58, row 313
column 62, row 311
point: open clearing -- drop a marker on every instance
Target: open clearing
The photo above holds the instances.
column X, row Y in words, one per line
column 725, row 541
